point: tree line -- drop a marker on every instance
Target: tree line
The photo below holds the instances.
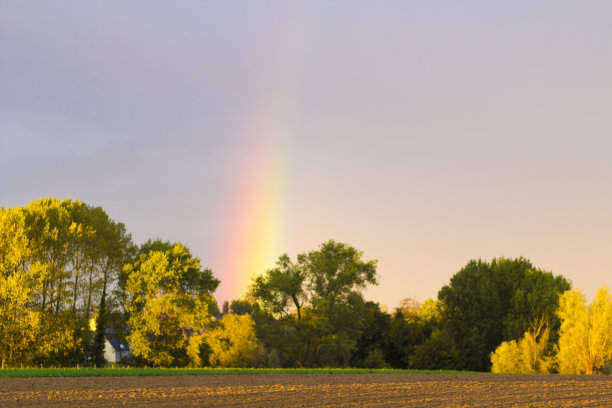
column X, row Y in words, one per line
column 69, row 275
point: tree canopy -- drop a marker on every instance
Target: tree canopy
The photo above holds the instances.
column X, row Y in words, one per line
column 488, row 303
column 532, row 354
column 319, row 302
column 70, row 275
column 585, row 340
column 58, row 258
column 169, row 296
column 233, row 343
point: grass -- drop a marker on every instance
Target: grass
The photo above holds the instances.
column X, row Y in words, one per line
column 144, row 372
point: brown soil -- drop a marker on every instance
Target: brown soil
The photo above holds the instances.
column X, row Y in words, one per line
column 340, row 390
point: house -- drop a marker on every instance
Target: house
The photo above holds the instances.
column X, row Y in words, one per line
column 115, row 350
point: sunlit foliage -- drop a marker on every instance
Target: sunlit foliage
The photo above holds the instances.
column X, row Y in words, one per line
column 233, row 343
column 19, row 324
column 169, row 296
column 585, row 341
column 409, row 307
column 58, row 257
column 532, row 354
column 68, row 273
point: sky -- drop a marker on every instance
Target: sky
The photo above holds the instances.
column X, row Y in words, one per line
column 423, row 133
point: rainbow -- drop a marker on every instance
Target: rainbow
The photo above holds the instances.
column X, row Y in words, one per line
column 256, row 234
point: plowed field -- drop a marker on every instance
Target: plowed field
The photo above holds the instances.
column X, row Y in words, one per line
column 343, row 390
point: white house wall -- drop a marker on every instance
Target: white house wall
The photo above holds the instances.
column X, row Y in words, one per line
column 109, row 352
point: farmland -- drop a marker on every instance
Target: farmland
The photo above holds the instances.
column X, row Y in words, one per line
column 306, row 390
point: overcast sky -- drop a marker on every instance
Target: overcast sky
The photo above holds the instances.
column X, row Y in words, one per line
column 423, row 133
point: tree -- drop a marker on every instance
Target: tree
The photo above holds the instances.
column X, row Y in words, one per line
column 18, row 324
column 409, row 307
column 243, row 306
column 488, row 303
column 372, row 343
column 18, row 280
column 318, row 303
column 412, row 326
column 438, row 351
column 70, row 253
column 585, row 340
column 282, row 289
column 169, row 298
column 532, row 354
column 100, row 255
column 51, row 233
column 99, row 343
column 40, row 282
column 336, row 271
column 233, row 343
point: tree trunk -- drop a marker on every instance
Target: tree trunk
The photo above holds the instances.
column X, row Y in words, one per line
column 75, row 288
column 100, row 328
column 297, row 306
column 89, row 292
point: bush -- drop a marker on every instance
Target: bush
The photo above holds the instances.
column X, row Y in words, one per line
column 233, row 343
column 375, row 359
column 531, row 354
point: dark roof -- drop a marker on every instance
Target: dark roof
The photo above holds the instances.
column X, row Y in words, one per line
column 115, row 341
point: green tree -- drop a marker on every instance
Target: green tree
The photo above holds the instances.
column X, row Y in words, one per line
column 336, row 271
column 488, row 303
column 99, row 343
column 169, row 298
column 243, row 306
column 585, row 340
column 412, row 326
column 233, row 342
column 318, row 304
column 282, row 289
column 371, row 344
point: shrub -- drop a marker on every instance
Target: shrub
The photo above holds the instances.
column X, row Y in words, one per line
column 531, row 354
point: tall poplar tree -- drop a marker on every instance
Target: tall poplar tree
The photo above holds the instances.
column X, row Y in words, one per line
column 19, row 279
column 59, row 257
column 585, row 340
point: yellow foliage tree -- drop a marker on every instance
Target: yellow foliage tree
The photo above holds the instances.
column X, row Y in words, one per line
column 409, row 308
column 57, row 258
column 585, row 339
column 531, row 354
column 429, row 311
column 18, row 324
column 505, row 358
column 166, row 312
column 233, row 342
column 52, row 233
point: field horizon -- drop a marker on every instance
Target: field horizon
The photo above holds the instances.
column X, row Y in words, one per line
column 32, row 372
